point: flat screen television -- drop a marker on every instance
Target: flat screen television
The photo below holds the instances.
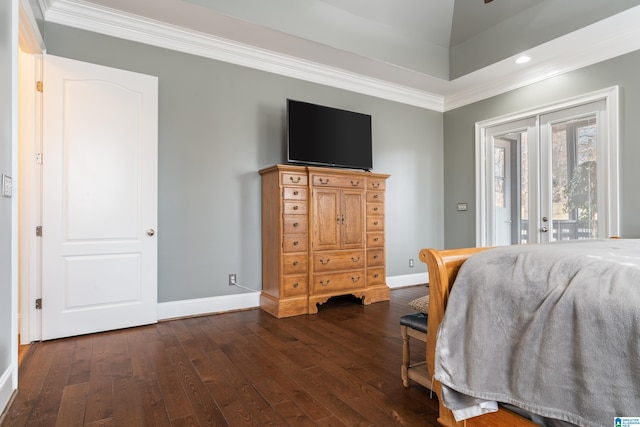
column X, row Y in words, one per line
column 326, row 136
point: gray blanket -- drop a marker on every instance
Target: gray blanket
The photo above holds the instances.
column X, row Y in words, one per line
column 552, row 328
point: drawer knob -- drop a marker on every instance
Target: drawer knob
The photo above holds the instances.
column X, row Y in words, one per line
column 296, row 243
column 295, row 285
column 324, row 181
column 323, row 262
column 295, row 224
column 295, row 193
column 375, row 209
column 295, row 208
column 375, row 257
column 375, row 196
column 355, row 280
column 375, row 239
column 375, row 184
column 355, row 259
column 375, row 223
column 295, row 263
column 375, row 276
column 322, row 282
column 355, row 183
column 295, row 181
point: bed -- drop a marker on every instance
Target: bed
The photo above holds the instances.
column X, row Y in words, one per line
column 562, row 344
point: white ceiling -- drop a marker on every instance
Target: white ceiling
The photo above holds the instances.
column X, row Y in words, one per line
column 438, row 54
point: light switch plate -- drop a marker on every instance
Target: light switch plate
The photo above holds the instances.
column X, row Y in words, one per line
column 462, row 206
column 6, row 185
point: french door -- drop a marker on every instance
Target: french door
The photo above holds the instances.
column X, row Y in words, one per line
column 550, row 175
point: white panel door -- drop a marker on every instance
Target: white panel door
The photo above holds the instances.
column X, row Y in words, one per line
column 99, row 243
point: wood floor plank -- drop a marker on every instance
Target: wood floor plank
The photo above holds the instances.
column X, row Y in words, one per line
column 271, row 369
column 126, row 406
column 340, row 367
column 46, row 407
column 152, row 404
column 176, row 401
column 81, row 364
column 99, row 394
column 233, row 375
column 205, row 407
column 72, row 406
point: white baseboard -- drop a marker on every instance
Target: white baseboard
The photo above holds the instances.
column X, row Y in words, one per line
column 407, row 280
column 196, row 307
column 7, row 382
column 221, row 304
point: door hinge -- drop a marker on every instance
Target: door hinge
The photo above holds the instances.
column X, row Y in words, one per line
column 39, row 304
column 39, row 158
column 39, row 85
column 39, row 231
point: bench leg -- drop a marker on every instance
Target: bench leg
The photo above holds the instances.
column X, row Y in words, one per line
column 404, row 369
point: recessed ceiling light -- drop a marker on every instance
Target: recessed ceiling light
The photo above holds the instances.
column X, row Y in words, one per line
column 523, row 59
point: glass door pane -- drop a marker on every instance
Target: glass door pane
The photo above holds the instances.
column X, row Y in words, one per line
column 511, row 188
column 574, row 179
column 507, row 183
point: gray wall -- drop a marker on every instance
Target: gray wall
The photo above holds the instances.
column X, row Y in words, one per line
column 219, row 124
column 8, row 43
column 459, row 154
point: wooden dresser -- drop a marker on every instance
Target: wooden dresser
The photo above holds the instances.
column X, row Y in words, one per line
column 322, row 236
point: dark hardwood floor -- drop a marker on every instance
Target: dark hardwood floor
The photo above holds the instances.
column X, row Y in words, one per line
column 340, row 367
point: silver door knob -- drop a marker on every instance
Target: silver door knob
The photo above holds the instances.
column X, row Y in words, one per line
column 544, row 229
column 151, row 232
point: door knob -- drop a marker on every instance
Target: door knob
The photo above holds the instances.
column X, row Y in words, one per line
column 151, row 232
column 544, row 229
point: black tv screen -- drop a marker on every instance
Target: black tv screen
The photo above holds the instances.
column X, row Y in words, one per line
column 326, row 136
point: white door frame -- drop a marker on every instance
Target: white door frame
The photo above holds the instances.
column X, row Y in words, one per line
column 29, row 189
column 609, row 160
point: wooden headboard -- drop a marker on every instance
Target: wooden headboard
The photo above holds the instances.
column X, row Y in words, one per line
column 443, row 267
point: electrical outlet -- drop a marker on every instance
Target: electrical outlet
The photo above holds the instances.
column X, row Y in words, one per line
column 410, row 263
column 232, row 279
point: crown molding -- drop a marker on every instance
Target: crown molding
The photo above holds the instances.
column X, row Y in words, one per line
column 614, row 36
column 604, row 40
column 111, row 22
column 30, row 38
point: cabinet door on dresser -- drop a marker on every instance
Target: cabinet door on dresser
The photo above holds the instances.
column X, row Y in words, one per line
column 326, row 219
column 338, row 213
column 352, row 219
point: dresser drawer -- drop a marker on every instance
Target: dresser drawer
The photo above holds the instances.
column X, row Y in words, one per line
column 295, row 208
column 375, row 258
column 375, row 276
column 338, row 282
column 294, row 286
column 291, row 178
column 375, row 240
column 375, row 197
column 375, row 223
column 294, row 193
column 295, row 264
column 338, row 260
column 375, row 184
column 375, row 209
column 295, row 224
column 337, row 181
column 294, row 243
